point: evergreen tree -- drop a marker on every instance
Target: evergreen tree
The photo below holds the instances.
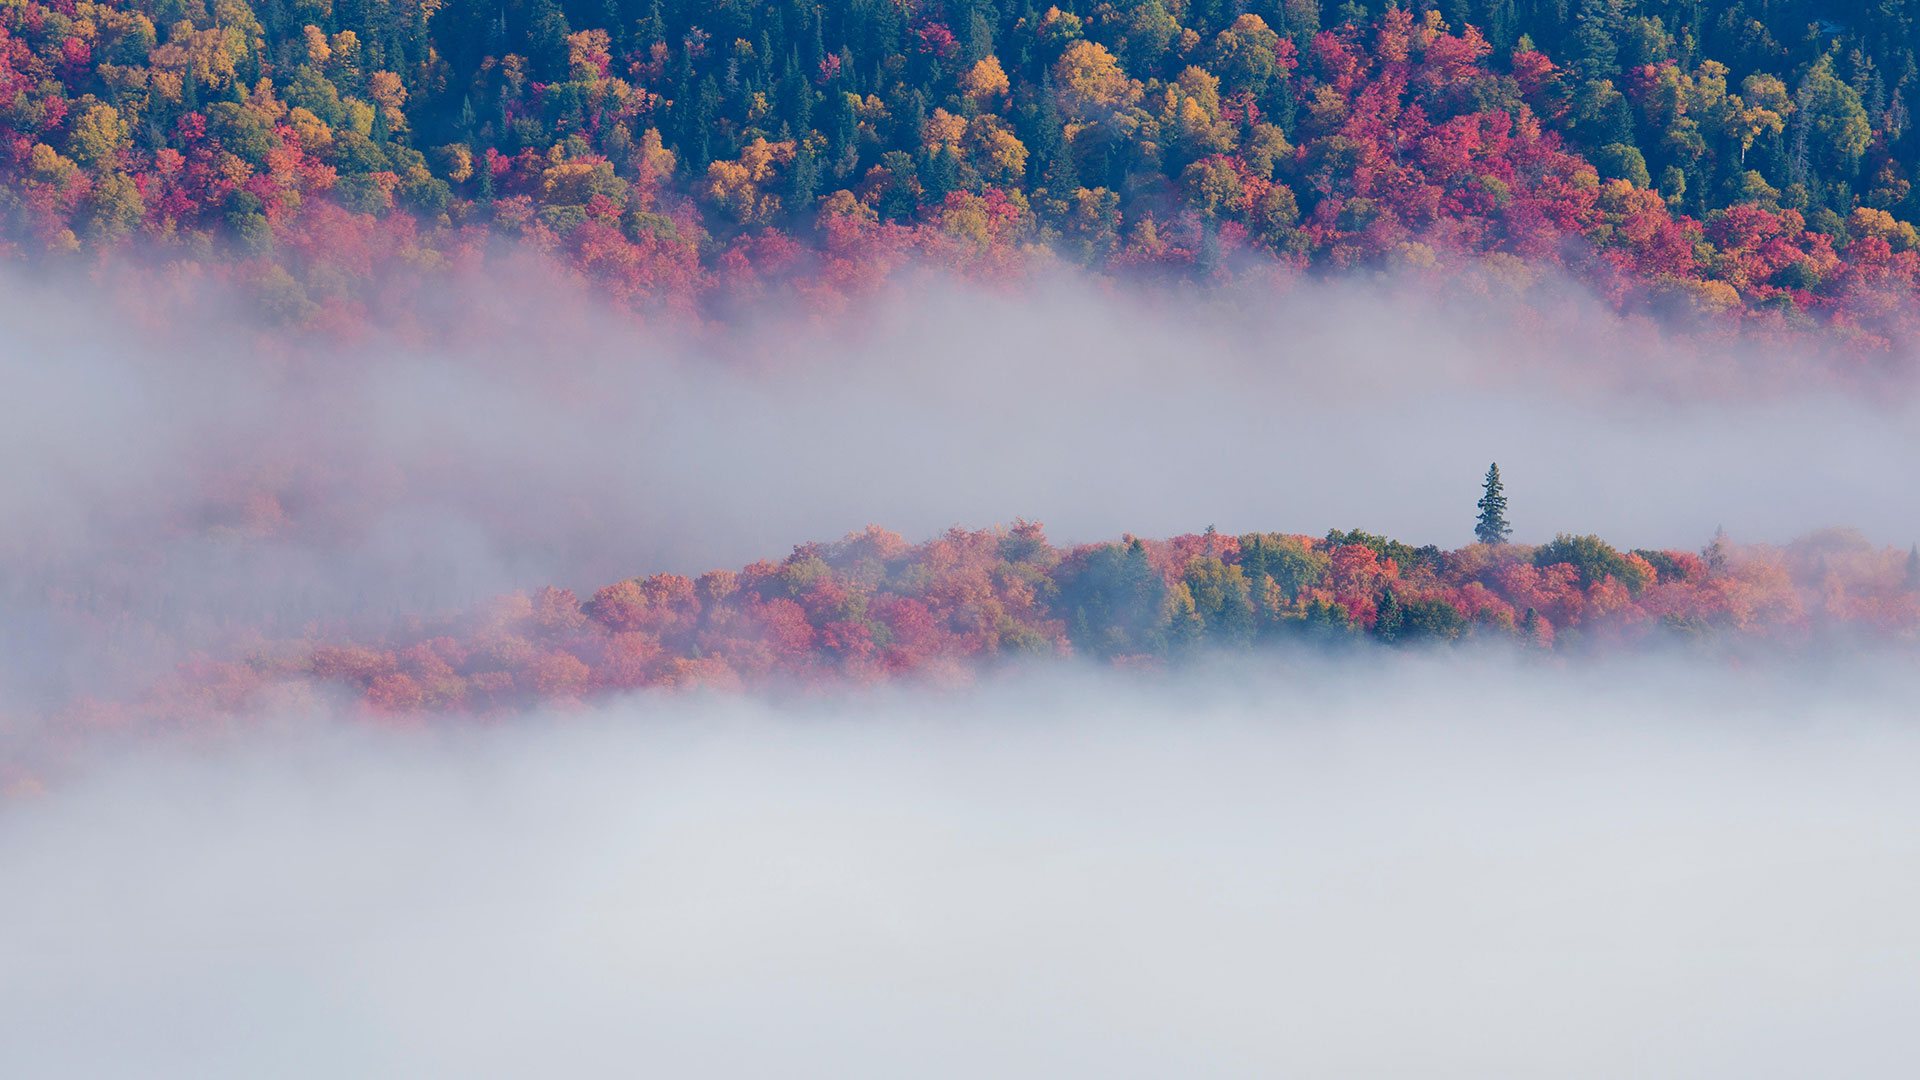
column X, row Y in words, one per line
column 803, row 179
column 941, row 176
column 1388, row 617
column 1913, row 567
column 1253, row 563
column 1492, row 527
column 1716, row 552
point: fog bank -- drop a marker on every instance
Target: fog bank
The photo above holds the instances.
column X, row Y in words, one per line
column 184, row 486
column 1433, row 868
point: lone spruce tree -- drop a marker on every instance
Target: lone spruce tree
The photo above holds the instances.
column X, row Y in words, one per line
column 1493, row 527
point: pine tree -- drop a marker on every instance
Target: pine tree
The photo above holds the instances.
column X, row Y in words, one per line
column 1913, row 567
column 1716, row 552
column 941, row 176
column 1389, row 617
column 803, row 180
column 1492, row 527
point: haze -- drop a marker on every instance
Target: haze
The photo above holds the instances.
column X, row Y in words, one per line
column 1464, row 867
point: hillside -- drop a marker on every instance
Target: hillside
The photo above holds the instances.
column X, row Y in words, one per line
column 873, row 608
column 1753, row 161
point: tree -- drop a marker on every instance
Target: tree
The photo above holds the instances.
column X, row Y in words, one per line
column 1595, row 559
column 1913, row 567
column 1716, row 552
column 1388, row 617
column 1492, row 527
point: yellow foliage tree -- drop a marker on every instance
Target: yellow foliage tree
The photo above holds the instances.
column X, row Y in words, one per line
column 994, row 151
column 1091, row 82
column 986, row 83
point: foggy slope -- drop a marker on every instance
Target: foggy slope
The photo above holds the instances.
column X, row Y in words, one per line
column 203, row 483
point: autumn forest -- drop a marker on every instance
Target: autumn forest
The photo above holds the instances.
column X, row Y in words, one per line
column 1744, row 174
column 1751, row 163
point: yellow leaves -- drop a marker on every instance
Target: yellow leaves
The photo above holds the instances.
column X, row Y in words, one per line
column 1213, row 184
column 1274, row 216
column 872, row 115
column 572, row 183
column 843, row 203
column 315, row 136
column 237, row 16
column 1412, row 255
column 588, row 54
column 1766, row 92
column 994, row 151
column 1507, row 272
column 262, row 103
column 98, row 138
column 456, row 160
column 1266, row 145
column 656, row 162
column 1327, row 110
column 1867, row 221
column 46, row 165
column 1745, row 123
column 206, row 53
column 167, row 86
column 359, row 116
column 734, row 186
column 943, row 129
column 1190, row 114
column 1708, row 297
column 724, row 178
column 760, row 156
column 345, row 46
column 232, row 168
column 967, row 217
column 1201, row 86
column 386, row 89
column 986, row 83
column 115, row 206
column 1090, row 80
column 1060, row 27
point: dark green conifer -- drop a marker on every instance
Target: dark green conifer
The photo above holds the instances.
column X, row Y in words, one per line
column 1492, row 527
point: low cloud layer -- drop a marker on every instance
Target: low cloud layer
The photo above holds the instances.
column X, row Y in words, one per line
column 1412, row 869
column 182, row 483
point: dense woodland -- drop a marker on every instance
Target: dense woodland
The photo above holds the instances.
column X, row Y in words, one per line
column 1752, row 160
column 875, row 608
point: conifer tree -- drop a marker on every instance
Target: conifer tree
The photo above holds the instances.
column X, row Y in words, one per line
column 1389, row 617
column 1716, row 552
column 1913, row 567
column 1492, row 527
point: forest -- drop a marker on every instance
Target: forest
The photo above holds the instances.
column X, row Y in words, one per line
column 1750, row 162
column 873, row 608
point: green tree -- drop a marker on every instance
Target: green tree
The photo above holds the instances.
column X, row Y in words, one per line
column 1222, row 598
column 1388, row 617
column 1833, row 120
column 1618, row 161
column 1594, row 558
column 1492, row 527
column 1113, row 601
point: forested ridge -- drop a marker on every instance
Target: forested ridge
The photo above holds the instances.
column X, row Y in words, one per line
column 1753, row 160
column 875, row 608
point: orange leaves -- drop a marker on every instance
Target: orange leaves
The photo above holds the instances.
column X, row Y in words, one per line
column 873, row 607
